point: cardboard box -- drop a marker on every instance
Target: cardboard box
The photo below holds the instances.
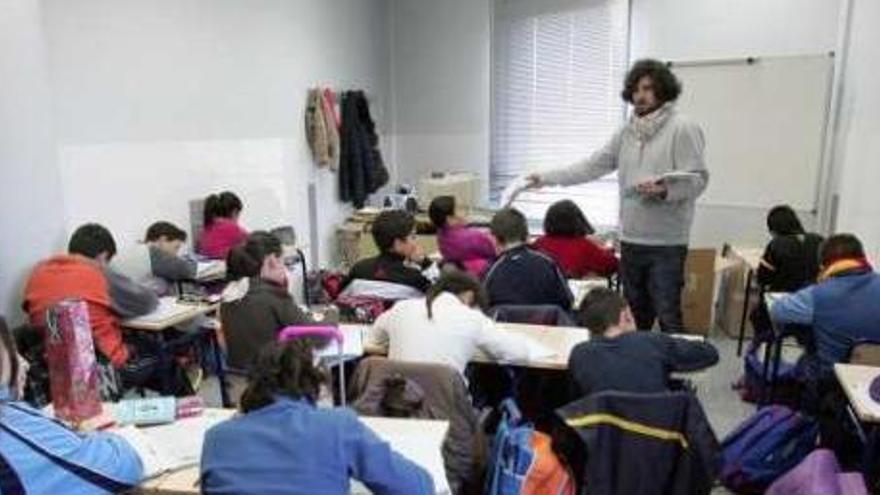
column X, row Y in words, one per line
column 731, row 296
column 699, row 288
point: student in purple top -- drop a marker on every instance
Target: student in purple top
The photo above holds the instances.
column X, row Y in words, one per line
column 470, row 248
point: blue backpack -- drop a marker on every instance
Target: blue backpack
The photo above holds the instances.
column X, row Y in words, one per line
column 753, row 387
column 764, row 447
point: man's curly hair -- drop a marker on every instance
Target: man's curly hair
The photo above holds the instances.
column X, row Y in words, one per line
column 667, row 87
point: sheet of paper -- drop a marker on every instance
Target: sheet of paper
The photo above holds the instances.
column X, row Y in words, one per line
column 516, row 186
column 210, row 269
column 352, row 344
column 153, row 457
column 180, row 443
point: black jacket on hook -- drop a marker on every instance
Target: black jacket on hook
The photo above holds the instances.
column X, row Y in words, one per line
column 361, row 168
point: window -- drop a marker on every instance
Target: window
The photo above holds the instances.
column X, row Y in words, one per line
column 558, row 68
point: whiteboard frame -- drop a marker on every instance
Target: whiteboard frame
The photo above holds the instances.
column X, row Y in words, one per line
column 824, row 169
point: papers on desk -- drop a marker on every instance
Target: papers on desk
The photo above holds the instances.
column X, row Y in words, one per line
column 167, row 309
column 173, row 446
column 352, row 344
column 210, row 270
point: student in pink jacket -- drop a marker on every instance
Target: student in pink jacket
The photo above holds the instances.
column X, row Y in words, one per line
column 221, row 229
column 470, row 248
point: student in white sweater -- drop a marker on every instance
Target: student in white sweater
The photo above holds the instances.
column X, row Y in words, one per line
column 448, row 327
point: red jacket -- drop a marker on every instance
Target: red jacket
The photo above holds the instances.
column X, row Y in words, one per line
column 578, row 256
column 76, row 276
column 223, row 235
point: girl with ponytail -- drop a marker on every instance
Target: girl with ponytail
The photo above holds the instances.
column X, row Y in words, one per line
column 221, row 231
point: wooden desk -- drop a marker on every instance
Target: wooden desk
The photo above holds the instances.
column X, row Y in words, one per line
column 416, row 439
column 855, row 380
column 169, row 314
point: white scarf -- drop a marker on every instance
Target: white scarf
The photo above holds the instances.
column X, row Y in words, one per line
column 645, row 126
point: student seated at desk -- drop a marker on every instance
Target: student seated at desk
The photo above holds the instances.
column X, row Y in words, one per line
column 620, row 358
column 84, row 274
column 41, row 455
column 791, row 259
column 400, row 260
column 446, row 327
column 565, row 240
column 522, row 275
column 469, row 248
column 284, row 444
column 842, row 307
column 221, row 229
column 256, row 304
column 156, row 261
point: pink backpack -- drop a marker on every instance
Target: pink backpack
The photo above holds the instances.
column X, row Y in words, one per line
column 819, row 474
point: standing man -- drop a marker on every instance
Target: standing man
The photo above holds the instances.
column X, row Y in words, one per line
column 661, row 169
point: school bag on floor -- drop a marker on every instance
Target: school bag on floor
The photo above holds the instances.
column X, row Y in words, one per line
column 523, row 462
column 819, row 474
column 766, row 446
column 753, row 387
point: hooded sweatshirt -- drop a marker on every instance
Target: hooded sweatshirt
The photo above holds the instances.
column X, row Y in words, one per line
column 645, row 149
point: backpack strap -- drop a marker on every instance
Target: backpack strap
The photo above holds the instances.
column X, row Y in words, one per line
column 102, row 481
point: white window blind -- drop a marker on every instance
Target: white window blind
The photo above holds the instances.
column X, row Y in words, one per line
column 558, row 68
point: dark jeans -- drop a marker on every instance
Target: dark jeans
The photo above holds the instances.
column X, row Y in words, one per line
column 653, row 277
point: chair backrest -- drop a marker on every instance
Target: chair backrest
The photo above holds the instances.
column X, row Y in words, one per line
column 866, row 353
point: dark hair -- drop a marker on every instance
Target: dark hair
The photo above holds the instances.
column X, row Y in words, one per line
column 441, row 208
column 391, row 225
column 564, row 218
column 782, row 220
column 90, row 240
column 600, row 310
column 284, row 368
column 840, row 246
column 223, row 205
column 666, row 86
column 509, row 225
column 167, row 230
column 8, row 353
column 246, row 259
column 456, row 282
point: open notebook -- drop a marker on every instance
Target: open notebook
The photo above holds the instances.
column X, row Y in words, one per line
column 168, row 308
column 173, row 446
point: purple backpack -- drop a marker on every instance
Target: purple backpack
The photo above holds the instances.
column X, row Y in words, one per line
column 819, row 474
column 764, row 447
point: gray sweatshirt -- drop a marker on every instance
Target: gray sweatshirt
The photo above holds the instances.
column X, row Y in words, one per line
column 645, row 149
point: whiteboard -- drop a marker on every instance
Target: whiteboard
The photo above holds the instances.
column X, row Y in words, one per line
column 764, row 124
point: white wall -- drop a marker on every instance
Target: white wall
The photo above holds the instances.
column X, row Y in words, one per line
column 31, row 221
column 160, row 102
column 440, row 82
column 858, row 149
column 711, row 29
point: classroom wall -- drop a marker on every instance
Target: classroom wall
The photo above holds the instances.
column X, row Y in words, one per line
column 857, row 146
column 31, row 222
column 160, row 102
column 440, row 85
column 710, row 29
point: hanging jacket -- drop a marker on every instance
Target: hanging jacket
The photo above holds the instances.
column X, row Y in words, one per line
column 321, row 131
column 361, row 168
column 644, row 444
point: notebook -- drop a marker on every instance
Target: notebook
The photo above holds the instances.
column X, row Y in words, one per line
column 168, row 308
column 139, row 412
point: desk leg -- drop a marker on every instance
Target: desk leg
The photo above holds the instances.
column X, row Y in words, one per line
column 774, row 370
column 868, row 456
column 219, row 367
column 745, row 312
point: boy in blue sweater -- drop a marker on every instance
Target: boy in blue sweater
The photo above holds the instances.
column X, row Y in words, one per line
column 284, row 444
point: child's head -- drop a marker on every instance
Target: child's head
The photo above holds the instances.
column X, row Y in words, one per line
column 509, row 227
column 11, row 370
column 259, row 255
column 394, row 233
column 604, row 312
column 463, row 285
column 840, row 247
column 444, row 212
column 166, row 236
column 285, row 369
column 224, row 205
column 782, row 220
column 565, row 219
column 93, row 241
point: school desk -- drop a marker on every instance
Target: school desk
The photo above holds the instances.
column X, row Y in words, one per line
column 855, row 380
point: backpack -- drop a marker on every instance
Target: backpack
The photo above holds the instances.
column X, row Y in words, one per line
column 764, row 447
column 359, row 309
column 523, row 462
column 787, row 385
column 819, row 474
